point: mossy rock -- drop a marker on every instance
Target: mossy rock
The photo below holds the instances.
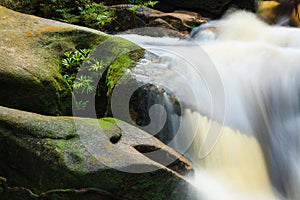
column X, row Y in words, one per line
column 42, row 153
column 30, row 57
column 31, row 54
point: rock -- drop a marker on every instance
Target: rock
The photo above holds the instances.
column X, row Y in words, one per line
column 157, row 28
column 140, row 103
column 207, row 8
column 180, row 21
column 31, row 52
column 30, row 55
column 43, row 153
column 282, row 13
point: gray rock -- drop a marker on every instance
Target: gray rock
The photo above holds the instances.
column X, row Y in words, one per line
column 42, row 153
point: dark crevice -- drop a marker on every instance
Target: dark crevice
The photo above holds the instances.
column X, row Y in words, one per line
column 165, row 158
column 115, row 138
column 146, row 148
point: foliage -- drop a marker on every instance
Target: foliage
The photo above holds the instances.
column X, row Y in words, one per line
column 141, row 4
column 82, row 83
column 96, row 66
column 81, row 105
column 96, row 15
column 72, row 63
column 88, row 13
column 81, row 12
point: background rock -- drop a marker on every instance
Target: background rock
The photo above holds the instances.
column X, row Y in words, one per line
column 180, row 21
column 207, row 8
column 279, row 12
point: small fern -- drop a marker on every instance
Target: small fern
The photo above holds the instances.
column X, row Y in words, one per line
column 96, row 66
column 81, row 105
column 84, row 84
column 141, row 4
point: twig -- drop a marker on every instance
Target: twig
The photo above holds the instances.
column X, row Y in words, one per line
column 80, row 191
column 46, row 194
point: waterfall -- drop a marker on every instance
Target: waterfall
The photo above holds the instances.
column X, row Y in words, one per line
column 238, row 82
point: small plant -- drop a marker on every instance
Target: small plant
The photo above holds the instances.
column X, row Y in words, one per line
column 96, row 66
column 141, row 4
column 84, row 84
column 81, row 105
column 72, row 63
column 84, row 13
column 66, row 16
column 96, row 15
column 74, row 59
column 70, row 78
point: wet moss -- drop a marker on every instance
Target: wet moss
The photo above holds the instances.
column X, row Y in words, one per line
column 107, row 123
column 129, row 53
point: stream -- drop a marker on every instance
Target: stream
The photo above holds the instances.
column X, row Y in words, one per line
column 237, row 80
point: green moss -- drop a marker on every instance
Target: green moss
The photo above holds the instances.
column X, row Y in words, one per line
column 116, row 71
column 62, row 41
column 60, row 144
column 105, row 124
column 127, row 54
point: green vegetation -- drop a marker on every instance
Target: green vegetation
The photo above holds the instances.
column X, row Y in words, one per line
column 89, row 13
column 83, row 84
column 72, row 62
column 141, row 4
column 94, row 15
column 81, row 12
column 92, row 77
column 106, row 123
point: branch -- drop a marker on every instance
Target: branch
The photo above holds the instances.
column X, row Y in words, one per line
column 46, row 194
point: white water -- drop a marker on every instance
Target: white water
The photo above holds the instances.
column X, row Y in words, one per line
column 257, row 155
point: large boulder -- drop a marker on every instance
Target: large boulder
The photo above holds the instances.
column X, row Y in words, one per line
column 43, row 153
column 31, row 53
column 30, row 58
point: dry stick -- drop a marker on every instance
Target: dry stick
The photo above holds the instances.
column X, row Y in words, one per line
column 16, row 189
column 46, row 194
column 80, row 191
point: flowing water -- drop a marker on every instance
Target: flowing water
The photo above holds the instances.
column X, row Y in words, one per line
column 238, row 84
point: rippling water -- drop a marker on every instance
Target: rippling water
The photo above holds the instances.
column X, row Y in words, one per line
column 238, row 83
